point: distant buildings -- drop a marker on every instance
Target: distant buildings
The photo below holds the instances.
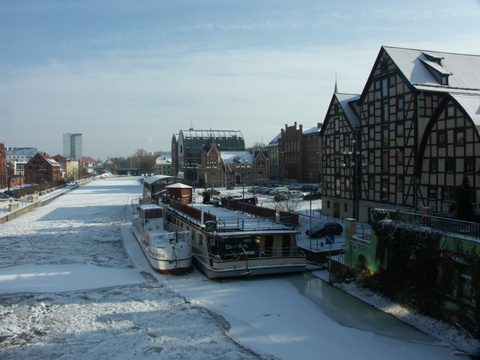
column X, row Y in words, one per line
column 72, row 146
column 188, row 146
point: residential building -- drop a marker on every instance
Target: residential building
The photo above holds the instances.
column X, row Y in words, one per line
column 341, row 135
column 418, row 135
column 163, row 165
column 72, row 146
column 42, row 168
column 87, row 166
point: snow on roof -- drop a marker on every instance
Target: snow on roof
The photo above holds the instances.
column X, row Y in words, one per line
column 274, row 141
column 22, row 151
column 154, row 178
column 414, row 64
column 471, row 104
column 164, row 159
column 345, row 100
column 243, row 156
column 315, row 129
column 178, row 186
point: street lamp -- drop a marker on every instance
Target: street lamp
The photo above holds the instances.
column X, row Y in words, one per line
column 355, row 159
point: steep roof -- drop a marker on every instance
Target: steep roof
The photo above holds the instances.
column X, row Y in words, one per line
column 49, row 159
column 346, row 101
column 423, row 68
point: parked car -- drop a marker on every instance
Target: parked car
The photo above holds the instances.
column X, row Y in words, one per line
column 295, row 194
column 277, row 190
column 281, row 196
column 312, row 196
column 331, row 228
column 9, row 193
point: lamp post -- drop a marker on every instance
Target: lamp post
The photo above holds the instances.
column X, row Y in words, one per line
column 355, row 158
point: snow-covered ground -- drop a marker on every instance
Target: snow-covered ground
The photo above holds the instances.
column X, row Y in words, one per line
column 74, row 285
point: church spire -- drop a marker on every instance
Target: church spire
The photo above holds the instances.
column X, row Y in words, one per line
column 336, row 85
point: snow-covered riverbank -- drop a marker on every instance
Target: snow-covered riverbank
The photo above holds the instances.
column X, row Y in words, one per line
column 70, row 291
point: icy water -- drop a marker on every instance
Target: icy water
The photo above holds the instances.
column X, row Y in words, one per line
column 351, row 312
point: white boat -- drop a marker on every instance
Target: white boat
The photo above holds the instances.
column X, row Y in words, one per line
column 228, row 243
column 166, row 247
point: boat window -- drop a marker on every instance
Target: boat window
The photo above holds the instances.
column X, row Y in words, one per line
column 200, row 239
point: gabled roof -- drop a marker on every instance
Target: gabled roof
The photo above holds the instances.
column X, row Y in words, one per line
column 347, row 102
column 420, row 68
column 48, row 159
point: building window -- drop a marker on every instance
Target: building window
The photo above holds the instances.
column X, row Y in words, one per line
column 371, row 133
column 442, row 138
column 400, row 103
column 336, row 124
column 386, row 112
column 384, row 193
column 400, row 157
column 432, row 192
column 371, row 182
column 392, row 80
column 469, row 165
column 450, row 165
column 385, row 137
column 371, row 109
column 400, row 129
column 385, row 161
column 385, row 88
column 460, row 137
column 433, row 165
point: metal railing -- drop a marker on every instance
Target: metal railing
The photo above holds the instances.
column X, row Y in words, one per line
column 453, row 226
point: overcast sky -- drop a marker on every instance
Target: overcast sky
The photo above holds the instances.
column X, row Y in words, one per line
column 128, row 74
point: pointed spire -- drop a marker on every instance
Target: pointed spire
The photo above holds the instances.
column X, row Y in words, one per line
column 336, row 85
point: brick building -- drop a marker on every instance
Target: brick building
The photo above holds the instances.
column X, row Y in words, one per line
column 42, row 168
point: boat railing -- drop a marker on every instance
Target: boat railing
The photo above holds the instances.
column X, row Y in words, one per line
column 248, row 224
column 267, row 254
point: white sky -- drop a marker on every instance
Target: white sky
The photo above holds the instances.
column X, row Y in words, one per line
column 130, row 74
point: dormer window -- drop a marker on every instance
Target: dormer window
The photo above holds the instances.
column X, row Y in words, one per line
column 436, row 69
column 434, row 58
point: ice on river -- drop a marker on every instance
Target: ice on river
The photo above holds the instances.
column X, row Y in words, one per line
column 74, row 285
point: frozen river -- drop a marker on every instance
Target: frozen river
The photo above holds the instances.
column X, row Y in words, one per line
column 94, row 296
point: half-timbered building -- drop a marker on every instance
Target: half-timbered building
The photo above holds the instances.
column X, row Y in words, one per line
column 418, row 134
column 340, row 133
